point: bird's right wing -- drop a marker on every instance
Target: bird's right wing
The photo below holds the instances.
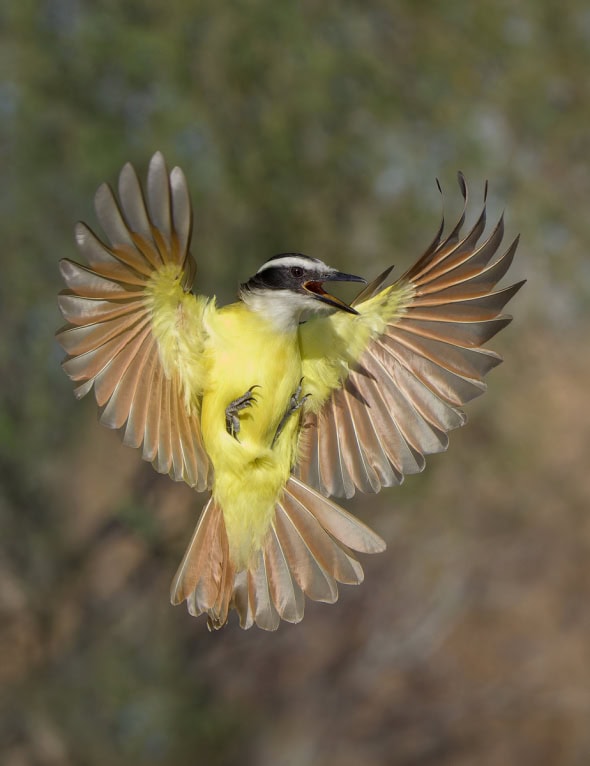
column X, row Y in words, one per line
column 134, row 332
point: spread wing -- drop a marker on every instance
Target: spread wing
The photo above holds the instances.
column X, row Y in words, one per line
column 134, row 331
column 387, row 385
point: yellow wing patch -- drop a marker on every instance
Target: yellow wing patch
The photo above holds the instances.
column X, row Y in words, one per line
column 178, row 326
column 330, row 345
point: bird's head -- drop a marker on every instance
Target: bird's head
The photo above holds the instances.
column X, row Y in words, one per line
column 291, row 283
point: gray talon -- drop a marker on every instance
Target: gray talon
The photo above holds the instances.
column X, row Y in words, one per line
column 232, row 421
column 294, row 404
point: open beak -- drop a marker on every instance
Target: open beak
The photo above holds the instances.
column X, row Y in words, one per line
column 317, row 290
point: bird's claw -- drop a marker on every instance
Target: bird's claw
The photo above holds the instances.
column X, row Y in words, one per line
column 232, row 421
column 296, row 402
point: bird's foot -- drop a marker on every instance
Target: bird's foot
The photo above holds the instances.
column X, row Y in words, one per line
column 232, row 421
column 296, row 402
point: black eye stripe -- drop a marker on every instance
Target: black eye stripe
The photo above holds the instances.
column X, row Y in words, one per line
column 280, row 278
column 271, row 277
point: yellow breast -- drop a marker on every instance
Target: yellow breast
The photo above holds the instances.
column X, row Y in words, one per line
column 245, row 350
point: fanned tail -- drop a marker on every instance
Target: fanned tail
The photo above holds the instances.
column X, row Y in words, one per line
column 309, row 548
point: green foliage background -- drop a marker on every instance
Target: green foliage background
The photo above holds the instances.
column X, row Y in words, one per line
column 317, row 127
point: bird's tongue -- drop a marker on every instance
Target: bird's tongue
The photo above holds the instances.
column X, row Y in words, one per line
column 316, row 287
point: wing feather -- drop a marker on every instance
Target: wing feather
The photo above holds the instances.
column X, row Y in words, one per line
column 133, row 203
column 90, row 284
column 164, row 455
column 109, row 377
column 350, row 428
column 124, row 406
column 136, row 430
column 134, row 331
column 370, row 443
column 413, row 428
column 153, row 408
column 127, row 265
column 177, row 456
column 89, row 364
column 81, row 311
column 338, row 481
column 181, row 212
column 400, row 372
column 84, row 339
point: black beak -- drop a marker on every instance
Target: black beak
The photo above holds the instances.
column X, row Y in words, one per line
column 316, row 289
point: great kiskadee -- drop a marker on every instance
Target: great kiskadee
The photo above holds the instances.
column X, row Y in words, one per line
column 280, row 400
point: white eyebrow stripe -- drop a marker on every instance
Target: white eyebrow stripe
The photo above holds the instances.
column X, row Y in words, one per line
column 288, row 261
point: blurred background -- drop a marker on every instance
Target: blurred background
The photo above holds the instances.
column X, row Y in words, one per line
column 317, row 127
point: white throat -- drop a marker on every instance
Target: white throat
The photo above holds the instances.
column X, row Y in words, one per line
column 282, row 308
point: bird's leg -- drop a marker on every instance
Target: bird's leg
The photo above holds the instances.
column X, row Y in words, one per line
column 295, row 403
column 232, row 421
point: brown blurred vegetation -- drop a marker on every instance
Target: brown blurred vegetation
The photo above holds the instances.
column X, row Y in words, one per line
column 318, row 127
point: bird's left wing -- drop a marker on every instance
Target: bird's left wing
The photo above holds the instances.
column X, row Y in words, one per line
column 134, row 331
column 388, row 384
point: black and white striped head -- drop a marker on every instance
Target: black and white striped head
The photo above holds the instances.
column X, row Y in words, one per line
column 293, row 283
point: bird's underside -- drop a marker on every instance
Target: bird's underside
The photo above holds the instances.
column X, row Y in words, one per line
column 274, row 416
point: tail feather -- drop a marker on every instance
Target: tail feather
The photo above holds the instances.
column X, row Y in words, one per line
column 313, row 580
column 286, row 593
column 219, row 612
column 331, row 555
column 335, row 520
column 265, row 613
column 309, row 548
column 205, row 576
column 241, row 600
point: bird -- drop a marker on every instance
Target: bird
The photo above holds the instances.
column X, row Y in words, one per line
column 281, row 401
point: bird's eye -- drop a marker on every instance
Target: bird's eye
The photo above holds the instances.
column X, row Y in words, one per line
column 296, row 271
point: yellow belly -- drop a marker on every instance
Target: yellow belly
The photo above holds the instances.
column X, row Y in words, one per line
column 250, row 472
